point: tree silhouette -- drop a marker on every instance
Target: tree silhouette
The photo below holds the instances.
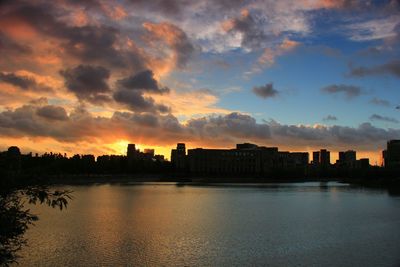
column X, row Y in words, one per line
column 15, row 219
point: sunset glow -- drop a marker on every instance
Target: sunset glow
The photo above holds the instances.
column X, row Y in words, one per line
column 93, row 76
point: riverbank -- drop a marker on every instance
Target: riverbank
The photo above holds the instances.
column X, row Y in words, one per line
column 392, row 183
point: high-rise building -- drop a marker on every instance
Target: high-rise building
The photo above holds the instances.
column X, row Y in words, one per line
column 325, row 157
column 347, row 159
column 392, row 154
column 315, row 156
column 131, row 151
column 322, row 158
column 178, row 156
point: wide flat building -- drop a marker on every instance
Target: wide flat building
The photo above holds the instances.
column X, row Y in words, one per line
column 245, row 159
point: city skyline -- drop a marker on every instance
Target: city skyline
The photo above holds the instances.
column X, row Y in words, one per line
column 321, row 156
column 303, row 75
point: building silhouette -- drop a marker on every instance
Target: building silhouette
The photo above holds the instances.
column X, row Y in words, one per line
column 391, row 155
column 178, row 157
column 246, row 158
column 322, row 158
column 347, row 159
column 131, row 151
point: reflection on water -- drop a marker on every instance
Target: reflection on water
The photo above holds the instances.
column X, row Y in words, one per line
column 304, row 224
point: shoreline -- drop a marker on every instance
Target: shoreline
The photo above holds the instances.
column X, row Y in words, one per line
column 392, row 184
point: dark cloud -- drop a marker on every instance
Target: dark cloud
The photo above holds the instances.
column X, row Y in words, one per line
column 251, row 29
column 330, row 118
column 80, row 125
column 52, row 112
column 389, row 68
column 88, row 82
column 135, row 101
column 8, row 45
column 265, row 91
column 233, row 126
column 365, row 135
column 349, row 91
column 379, row 102
column 144, row 119
column 221, row 130
column 376, row 117
column 89, row 43
column 22, row 81
column 143, row 81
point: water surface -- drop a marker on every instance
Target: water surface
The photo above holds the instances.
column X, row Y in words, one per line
column 307, row 224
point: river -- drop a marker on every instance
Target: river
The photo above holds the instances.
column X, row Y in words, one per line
column 155, row 224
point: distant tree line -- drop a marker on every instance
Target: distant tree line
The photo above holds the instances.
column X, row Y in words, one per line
column 13, row 162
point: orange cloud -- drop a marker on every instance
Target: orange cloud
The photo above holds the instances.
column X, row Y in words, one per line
column 170, row 45
column 115, row 12
column 317, row 4
column 269, row 54
column 191, row 103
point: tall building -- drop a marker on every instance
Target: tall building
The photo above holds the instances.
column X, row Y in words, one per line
column 347, row 159
column 131, row 151
column 315, row 156
column 325, row 157
column 178, row 156
column 392, row 154
column 322, row 158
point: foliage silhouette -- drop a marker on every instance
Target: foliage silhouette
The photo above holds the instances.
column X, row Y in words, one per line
column 15, row 219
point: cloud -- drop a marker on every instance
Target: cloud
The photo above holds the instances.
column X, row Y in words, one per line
column 23, row 82
column 231, row 126
column 252, row 35
column 9, row 46
column 330, row 118
column 221, row 130
column 174, row 37
column 97, row 43
column 349, row 91
column 380, row 102
column 269, row 55
column 389, row 68
column 365, row 136
column 33, row 120
column 143, row 81
column 374, row 29
column 52, row 112
column 88, row 82
column 265, row 91
column 192, row 103
column 376, row 117
column 135, row 101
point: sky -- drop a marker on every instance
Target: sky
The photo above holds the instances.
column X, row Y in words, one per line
column 91, row 76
